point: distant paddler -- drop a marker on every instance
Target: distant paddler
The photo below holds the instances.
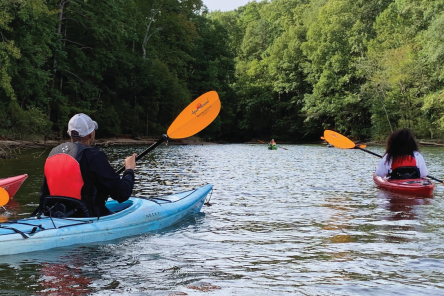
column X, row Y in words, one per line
column 272, row 145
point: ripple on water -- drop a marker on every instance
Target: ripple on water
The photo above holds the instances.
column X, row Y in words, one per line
column 302, row 221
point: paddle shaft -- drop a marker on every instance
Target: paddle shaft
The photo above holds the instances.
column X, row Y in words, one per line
column 380, row 156
column 152, row 147
column 368, row 151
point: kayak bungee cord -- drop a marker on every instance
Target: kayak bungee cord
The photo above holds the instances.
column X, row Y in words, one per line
column 158, row 198
column 207, row 203
column 36, row 227
column 170, row 201
column 16, row 231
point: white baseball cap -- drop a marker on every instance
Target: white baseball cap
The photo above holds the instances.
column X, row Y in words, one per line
column 82, row 124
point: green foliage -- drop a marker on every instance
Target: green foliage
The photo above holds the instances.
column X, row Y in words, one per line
column 284, row 68
column 125, row 63
column 22, row 123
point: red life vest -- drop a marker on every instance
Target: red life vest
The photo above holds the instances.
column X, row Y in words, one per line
column 62, row 170
column 403, row 161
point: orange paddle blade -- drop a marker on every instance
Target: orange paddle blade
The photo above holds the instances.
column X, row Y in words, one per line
column 197, row 116
column 338, row 140
column 363, row 146
column 4, row 197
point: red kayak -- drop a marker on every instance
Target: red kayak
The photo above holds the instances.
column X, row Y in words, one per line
column 416, row 187
column 12, row 184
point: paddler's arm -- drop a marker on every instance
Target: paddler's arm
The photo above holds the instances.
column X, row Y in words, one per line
column 420, row 163
column 382, row 169
column 120, row 189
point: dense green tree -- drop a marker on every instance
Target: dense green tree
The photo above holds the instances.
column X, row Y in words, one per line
column 336, row 43
column 283, row 68
column 25, row 48
column 401, row 77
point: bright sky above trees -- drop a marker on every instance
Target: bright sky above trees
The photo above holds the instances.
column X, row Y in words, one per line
column 224, row 5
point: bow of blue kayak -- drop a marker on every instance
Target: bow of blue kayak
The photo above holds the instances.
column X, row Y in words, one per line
column 133, row 217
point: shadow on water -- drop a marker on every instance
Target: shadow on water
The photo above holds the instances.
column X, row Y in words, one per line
column 302, row 221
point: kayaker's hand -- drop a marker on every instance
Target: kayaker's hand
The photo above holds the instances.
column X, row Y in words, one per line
column 130, row 162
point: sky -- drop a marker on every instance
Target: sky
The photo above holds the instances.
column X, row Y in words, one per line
column 224, row 5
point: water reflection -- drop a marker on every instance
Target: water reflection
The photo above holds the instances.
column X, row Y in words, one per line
column 402, row 207
column 12, row 209
column 67, row 279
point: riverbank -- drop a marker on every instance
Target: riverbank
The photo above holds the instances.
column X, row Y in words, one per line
column 11, row 148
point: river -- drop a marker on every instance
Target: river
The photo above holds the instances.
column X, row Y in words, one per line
column 303, row 221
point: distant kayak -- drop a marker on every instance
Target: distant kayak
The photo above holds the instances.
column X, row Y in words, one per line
column 132, row 217
column 12, row 184
column 415, row 187
column 272, row 147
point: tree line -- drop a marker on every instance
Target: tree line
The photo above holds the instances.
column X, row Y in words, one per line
column 362, row 67
column 286, row 69
column 132, row 65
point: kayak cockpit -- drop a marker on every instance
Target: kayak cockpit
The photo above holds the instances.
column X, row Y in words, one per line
column 115, row 207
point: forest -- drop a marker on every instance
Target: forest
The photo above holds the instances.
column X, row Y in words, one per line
column 284, row 69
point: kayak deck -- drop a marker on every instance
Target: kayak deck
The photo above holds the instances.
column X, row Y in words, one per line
column 132, row 217
column 415, row 187
column 12, row 184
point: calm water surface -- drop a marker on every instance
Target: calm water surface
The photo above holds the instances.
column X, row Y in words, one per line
column 302, row 221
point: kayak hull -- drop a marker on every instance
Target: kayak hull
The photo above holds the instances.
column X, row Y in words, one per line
column 12, row 184
column 272, row 147
column 414, row 187
column 133, row 217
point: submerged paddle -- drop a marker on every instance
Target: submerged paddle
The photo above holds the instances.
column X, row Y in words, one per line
column 194, row 118
column 340, row 141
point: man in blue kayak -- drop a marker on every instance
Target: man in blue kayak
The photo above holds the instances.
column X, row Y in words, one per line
column 78, row 179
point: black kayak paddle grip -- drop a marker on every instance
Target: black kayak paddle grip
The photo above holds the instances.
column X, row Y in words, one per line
column 152, row 147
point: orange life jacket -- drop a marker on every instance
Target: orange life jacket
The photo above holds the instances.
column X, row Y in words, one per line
column 62, row 170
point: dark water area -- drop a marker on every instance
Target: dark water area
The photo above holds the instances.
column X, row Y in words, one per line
column 302, row 221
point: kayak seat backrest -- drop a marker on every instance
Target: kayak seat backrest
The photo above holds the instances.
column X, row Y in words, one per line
column 409, row 172
column 62, row 207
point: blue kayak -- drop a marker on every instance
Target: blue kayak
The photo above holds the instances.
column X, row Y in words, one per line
column 133, row 217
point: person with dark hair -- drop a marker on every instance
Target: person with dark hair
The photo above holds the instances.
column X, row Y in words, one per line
column 402, row 159
column 78, row 179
